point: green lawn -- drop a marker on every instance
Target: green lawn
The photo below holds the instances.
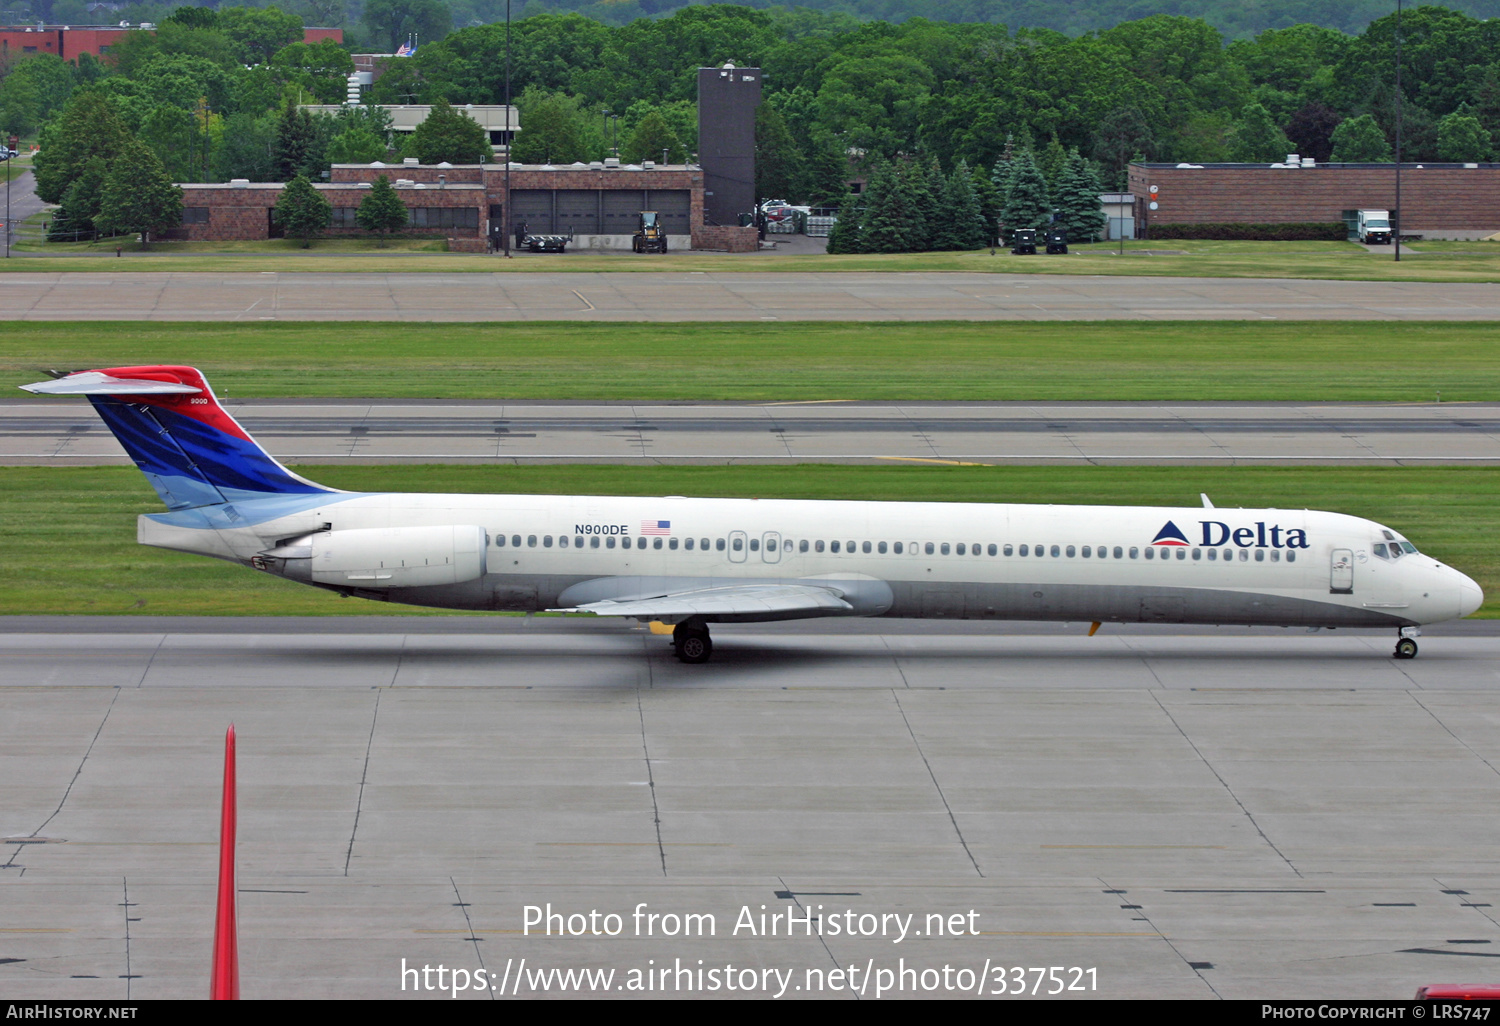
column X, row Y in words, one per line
column 1115, row 361
column 69, row 535
column 1442, row 262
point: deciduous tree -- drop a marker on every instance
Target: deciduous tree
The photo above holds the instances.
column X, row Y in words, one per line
column 138, row 195
column 302, row 211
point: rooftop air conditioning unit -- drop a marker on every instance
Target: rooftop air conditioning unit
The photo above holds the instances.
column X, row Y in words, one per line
column 611, row 161
column 1294, row 160
column 410, row 161
column 1309, row 162
column 648, row 165
column 239, row 183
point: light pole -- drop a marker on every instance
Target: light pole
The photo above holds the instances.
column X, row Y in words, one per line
column 505, row 207
column 1396, row 220
column 614, row 134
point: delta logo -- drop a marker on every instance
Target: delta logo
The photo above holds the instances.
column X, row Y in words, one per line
column 1170, row 534
column 1216, row 533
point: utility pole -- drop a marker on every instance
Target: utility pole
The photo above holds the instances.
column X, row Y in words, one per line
column 1396, row 219
column 505, row 207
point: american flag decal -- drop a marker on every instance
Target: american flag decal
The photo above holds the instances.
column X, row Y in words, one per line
column 656, row 527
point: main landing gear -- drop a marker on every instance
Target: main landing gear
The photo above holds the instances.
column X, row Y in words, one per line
column 692, row 642
column 1406, row 644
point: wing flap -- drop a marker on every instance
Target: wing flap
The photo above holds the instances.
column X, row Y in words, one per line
column 741, row 600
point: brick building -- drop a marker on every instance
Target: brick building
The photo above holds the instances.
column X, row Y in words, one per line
column 68, row 41
column 1434, row 197
column 597, row 204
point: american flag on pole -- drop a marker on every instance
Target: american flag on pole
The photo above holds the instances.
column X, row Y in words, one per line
column 656, row 527
column 405, row 49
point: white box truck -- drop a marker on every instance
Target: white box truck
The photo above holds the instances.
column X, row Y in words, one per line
column 1375, row 227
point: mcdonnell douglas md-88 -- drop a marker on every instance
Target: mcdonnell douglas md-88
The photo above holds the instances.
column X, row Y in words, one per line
column 696, row 562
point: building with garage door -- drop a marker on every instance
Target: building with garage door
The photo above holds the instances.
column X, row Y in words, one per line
column 598, row 204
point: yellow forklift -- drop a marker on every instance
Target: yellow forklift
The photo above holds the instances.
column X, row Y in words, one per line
column 650, row 237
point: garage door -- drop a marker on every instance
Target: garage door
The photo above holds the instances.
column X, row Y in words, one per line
column 622, row 211
column 675, row 207
column 578, row 211
column 534, row 207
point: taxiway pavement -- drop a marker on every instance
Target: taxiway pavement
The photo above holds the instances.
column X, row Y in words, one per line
column 721, row 296
column 68, row 433
column 1188, row 813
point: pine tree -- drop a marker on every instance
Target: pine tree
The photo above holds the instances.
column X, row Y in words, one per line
column 382, row 211
column 1028, row 205
column 294, row 141
column 302, row 211
column 967, row 217
column 844, row 236
column 989, row 203
column 1052, row 161
column 450, row 135
column 1078, row 204
column 138, row 196
column 778, row 158
column 890, row 224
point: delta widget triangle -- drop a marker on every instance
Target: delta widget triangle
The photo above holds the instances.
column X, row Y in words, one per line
column 1171, row 534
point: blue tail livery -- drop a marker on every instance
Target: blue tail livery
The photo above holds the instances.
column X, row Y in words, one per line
column 191, row 450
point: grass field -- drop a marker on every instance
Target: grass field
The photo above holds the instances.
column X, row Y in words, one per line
column 69, row 535
column 1442, row 262
column 1116, row 361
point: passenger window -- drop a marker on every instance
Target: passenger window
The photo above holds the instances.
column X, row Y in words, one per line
column 672, row 543
column 578, row 542
column 1213, row 554
column 1025, row 551
column 562, row 541
column 1040, row 550
column 688, row 544
column 609, row 542
column 1197, row 553
column 754, row 544
column 974, row 549
column 738, row 544
column 1182, row 553
column 929, row 548
column 1008, row 550
column 1291, row 557
column 1379, row 549
column 1228, row 555
column 1070, row 551
column 500, row 543
column 849, row 547
column 1244, row 555
column 865, row 548
column 546, row 541
column 1133, row 552
column 655, row 543
column 945, row 548
column 818, row 546
column 896, row 548
column 880, row 548
column 833, row 546
column 719, row 544
column 1260, row 555
column 993, row 549
column 531, row 541
column 1150, row 553
column 1085, row 552
column 640, row 543
column 1120, row 553
column 802, row 545
column 770, row 544
column 594, row 542
column 1276, row 555
column 515, row 541
column 962, row 549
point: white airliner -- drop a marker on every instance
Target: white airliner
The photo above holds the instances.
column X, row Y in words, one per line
column 695, row 562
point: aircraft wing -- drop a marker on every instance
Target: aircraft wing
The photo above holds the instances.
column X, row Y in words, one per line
column 777, row 600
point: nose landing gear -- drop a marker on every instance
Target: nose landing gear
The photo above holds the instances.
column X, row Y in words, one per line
column 692, row 642
column 1406, row 643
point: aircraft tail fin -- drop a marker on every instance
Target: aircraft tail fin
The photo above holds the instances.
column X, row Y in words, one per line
column 190, row 449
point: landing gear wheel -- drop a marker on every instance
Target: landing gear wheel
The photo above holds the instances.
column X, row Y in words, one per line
column 692, row 643
column 1406, row 648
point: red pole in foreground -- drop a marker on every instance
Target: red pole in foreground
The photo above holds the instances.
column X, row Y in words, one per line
column 225, row 984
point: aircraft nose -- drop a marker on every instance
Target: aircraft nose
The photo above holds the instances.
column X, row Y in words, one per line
column 1470, row 596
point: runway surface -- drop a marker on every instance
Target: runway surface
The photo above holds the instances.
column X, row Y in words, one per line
column 714, row 296
column 67, row 433
column 1187, row 813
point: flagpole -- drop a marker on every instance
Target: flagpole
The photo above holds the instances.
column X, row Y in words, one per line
column 505, row 207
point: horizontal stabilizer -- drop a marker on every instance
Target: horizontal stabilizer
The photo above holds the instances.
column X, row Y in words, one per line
column 741, row 600
column 99, row 383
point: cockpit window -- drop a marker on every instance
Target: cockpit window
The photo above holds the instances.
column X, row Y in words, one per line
column 1407, row 546
column 1379, row 549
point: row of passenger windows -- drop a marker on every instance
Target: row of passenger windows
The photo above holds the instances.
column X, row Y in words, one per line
column 897, row 548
